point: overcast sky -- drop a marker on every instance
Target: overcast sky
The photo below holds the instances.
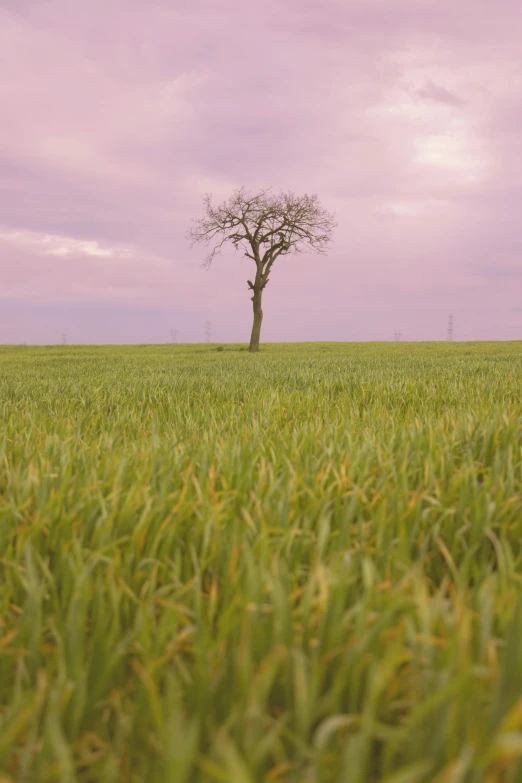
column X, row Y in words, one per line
column 117, row 116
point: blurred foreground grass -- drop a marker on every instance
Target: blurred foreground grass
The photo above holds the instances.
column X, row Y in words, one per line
column 303, row 565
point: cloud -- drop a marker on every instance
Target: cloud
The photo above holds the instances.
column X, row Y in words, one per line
column 432, row 92
column 507, row 271
column 47, row 267
column 405, row 118
column 51, row 245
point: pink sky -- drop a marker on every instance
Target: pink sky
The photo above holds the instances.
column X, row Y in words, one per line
column 404, row 116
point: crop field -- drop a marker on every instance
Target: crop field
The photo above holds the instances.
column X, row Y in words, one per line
column 301, row 566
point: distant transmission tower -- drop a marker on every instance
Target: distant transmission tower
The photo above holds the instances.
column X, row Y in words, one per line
column 174, row 335
column 450, row 328
column 208, row 332
column 397, row 337
column 64, row 339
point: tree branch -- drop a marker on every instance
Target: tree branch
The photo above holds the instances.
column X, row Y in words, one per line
column 264, row 226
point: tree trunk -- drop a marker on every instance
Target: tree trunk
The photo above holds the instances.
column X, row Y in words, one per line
column 258, row 319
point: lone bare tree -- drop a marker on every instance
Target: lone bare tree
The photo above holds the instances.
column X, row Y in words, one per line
column 264, row 226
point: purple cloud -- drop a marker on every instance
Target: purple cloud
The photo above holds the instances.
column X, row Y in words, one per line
column 118, row 116
column 433, row 92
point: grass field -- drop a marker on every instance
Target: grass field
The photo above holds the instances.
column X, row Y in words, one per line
column 303, row 565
